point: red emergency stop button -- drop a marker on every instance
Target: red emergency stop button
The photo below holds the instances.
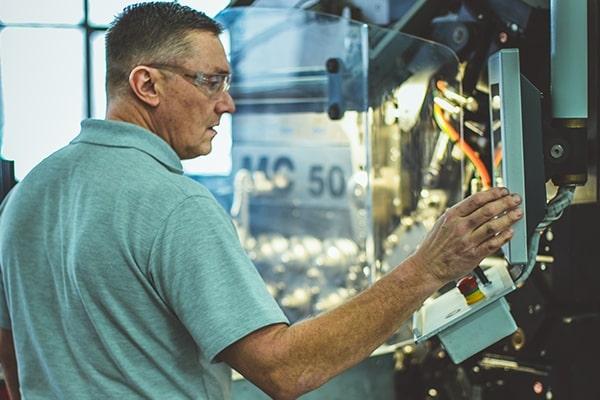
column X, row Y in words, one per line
column 470, row 289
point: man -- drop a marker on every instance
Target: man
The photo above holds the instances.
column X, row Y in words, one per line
column 121, row 278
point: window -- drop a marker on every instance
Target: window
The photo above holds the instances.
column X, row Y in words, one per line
column 52, row 70
column 43, row 92
column 41, row 12
column 102, row 12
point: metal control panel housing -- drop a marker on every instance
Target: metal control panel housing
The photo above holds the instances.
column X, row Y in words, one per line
column 467, row 329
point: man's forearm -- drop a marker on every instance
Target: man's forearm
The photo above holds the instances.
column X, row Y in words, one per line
column 307, row 354
column 341, row 338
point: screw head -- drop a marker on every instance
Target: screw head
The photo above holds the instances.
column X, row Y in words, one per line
column 333, row 66
column 557, row 151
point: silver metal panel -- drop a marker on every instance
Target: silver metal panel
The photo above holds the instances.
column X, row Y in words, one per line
column 506, row 115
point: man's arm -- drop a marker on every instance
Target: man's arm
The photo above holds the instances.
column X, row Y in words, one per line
column 286, row 362
column 9, row 363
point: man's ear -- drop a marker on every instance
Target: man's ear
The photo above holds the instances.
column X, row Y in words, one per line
column 142, row 81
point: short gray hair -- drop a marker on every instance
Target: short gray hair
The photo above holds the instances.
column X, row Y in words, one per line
column 150, row 32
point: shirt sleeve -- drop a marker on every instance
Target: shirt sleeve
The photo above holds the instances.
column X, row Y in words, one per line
column 4, row 313
column 202, row 272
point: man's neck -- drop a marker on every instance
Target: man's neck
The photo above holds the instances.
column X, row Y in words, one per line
column 124, row 111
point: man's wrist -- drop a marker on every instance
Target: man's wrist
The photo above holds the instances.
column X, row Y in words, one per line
column 425, row 271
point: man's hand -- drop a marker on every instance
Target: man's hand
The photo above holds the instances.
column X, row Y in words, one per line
column 467, row 233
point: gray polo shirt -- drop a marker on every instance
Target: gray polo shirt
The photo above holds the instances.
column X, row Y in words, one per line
column 122, row 278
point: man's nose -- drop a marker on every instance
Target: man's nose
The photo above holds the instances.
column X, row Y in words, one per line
column 225, row 104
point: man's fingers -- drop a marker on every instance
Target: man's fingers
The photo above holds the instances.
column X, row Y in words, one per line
column 493, row 226
column 478, row 200
column 470, row 231
column 494, row 243
column 492, row 210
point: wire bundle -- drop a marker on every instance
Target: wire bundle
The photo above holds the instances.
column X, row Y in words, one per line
column 554, row 211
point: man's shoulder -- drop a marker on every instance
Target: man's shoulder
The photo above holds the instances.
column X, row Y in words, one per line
column 177, row 188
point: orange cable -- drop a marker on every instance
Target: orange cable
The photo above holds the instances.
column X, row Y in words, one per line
column 448, row 129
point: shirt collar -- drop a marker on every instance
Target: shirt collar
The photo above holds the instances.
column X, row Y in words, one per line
column 123, row 134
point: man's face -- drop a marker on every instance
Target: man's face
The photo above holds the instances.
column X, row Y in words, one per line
column 191, row 109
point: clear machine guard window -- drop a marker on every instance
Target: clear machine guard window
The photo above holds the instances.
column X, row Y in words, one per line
column 333, row 147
